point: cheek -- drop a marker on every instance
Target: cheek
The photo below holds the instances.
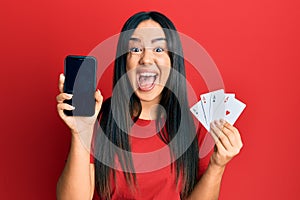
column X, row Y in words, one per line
column 165, row 64
column 128, row 62
column 164, row 61
column 166, row 73
column 132, row 61
column 131, row 74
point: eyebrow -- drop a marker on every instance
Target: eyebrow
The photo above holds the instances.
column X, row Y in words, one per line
column 152, row 41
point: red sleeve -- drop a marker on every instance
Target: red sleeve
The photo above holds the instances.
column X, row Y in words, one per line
column 206, row 148
column 92, row 159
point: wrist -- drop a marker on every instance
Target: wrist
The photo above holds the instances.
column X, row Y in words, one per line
column 215, row 169
column 74, row 132
column 81, row 142
column 88, row 130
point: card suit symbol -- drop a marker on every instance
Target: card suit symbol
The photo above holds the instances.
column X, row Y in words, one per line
column 226, row 99
column 227, row 112
column 195, row 111
column 214, row 99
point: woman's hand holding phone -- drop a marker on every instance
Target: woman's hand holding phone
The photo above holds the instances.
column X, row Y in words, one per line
column 75, row 123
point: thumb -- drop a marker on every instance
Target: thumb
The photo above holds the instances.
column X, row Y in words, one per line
column 61, row 82
column 99, row 100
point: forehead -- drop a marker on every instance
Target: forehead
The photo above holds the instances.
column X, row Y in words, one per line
column 148, row 30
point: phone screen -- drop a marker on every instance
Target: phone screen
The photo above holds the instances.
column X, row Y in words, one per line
column 80, row 80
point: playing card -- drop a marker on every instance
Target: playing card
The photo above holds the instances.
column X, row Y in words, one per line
column 233, row 109
column 217, row 106
column 198, row 111
column 219, row 112
column 229, row 95
column 205, row 99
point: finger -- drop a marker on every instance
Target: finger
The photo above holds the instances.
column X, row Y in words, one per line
column 230, row 127
column 99, row 100
column 214, row 136
column 229, row 133
column 220, row 148
column 98, row 96
column 63, row 96
column 61, row 82
column 216, row 127
column 235, row 132
column 65, row 106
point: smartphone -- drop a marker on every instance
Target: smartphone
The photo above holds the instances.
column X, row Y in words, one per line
column 80, row 80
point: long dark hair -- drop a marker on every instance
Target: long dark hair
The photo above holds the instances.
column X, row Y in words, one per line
column 119, row 112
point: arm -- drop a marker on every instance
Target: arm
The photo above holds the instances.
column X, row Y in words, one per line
column 228, row 144
column 77, row 178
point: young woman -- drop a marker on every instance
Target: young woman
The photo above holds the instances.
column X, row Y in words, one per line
column 147, row 112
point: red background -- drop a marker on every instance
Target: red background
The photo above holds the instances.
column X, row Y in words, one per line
column 255, row 45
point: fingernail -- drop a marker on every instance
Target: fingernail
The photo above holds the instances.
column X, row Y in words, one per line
column 72, row 107
column 212, row 124
column 216, row 122
column 220, row 122
column 69, row 95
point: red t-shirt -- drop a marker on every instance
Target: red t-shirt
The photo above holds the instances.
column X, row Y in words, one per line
column 151, row 159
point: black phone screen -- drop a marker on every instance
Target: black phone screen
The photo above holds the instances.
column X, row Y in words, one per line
column 80, row 80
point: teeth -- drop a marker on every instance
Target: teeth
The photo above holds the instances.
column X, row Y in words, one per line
column 147, row 74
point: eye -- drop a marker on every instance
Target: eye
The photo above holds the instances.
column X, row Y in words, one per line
column 159, row 49
column 135, row 50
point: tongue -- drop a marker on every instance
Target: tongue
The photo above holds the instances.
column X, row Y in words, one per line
column 146, row 82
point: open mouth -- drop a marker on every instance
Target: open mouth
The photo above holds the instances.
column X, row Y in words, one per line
column 146, row 80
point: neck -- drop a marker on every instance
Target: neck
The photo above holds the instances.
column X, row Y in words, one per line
column 149, row 109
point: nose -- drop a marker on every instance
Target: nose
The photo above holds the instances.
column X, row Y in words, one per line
column 147, row 58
